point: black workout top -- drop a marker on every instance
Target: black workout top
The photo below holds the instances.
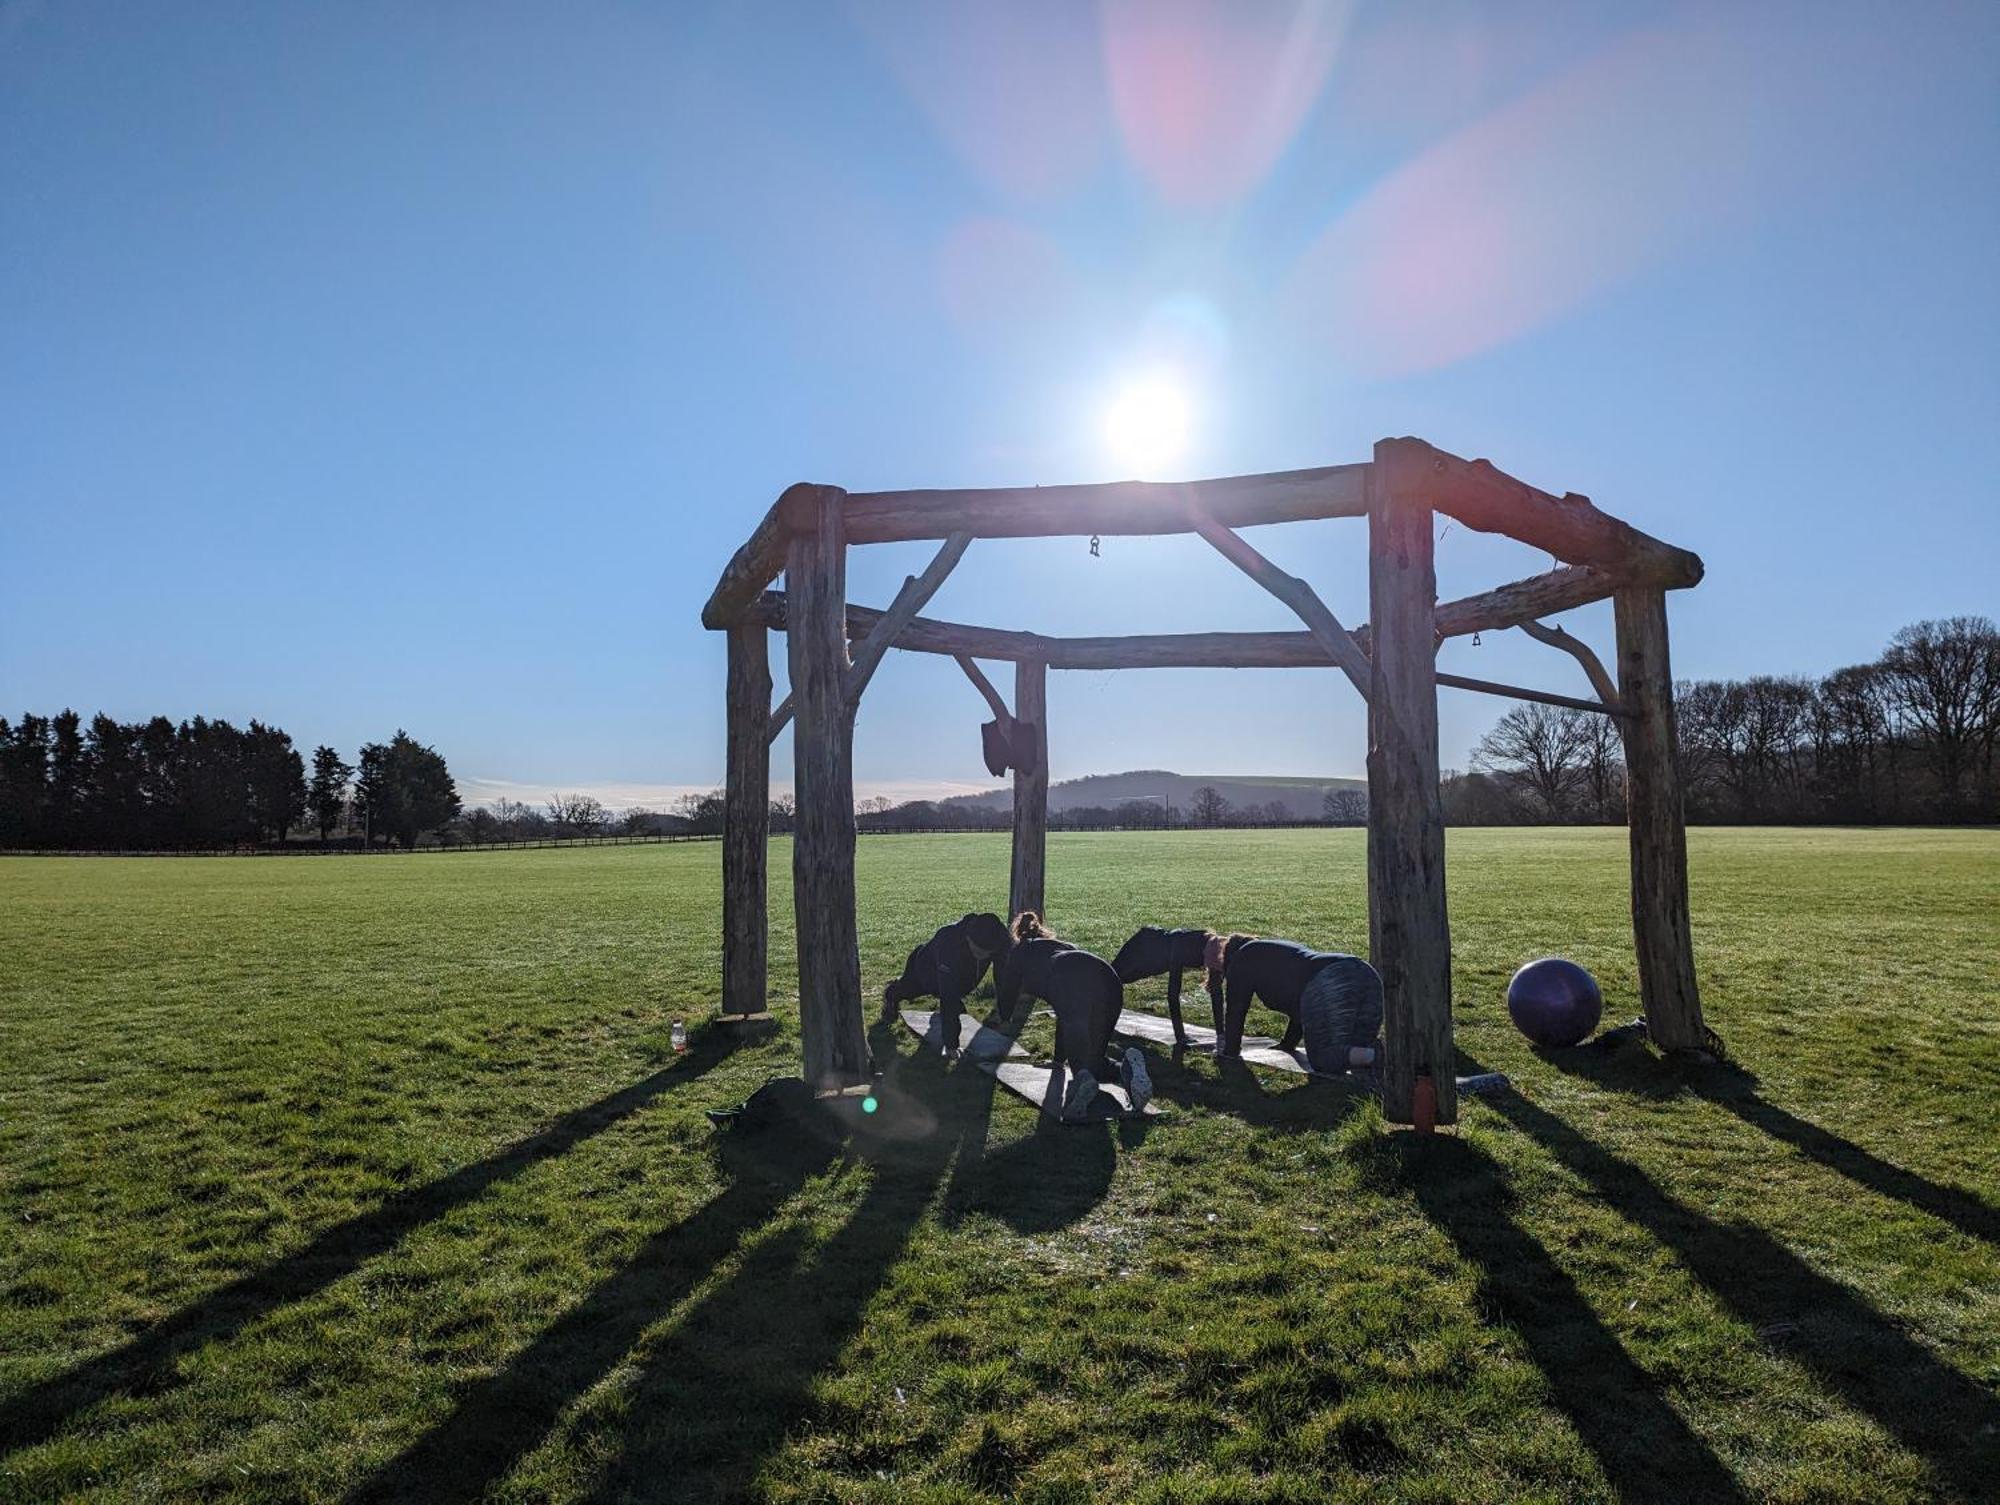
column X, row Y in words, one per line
column 1026, row 969
column 1276, row 971
column 948, row 961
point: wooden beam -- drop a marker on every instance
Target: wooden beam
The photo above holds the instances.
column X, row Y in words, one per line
column 778, row 719
column 1518, row 601
column 921, row 634
column 1520, row 692
column 1031, row 793
column 1408, row 925
column 1576, row 648
column 831, row 1023
column 763, row 554
column 1506, row 606
column 985, row 687
column 915, row 591
column 884, row 628
column 1294, row 592
column 1660, row 924
column 746, row 823
column 1489, row 500
column 1119, row 507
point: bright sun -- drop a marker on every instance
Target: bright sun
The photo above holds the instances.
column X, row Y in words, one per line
column 1146, row 426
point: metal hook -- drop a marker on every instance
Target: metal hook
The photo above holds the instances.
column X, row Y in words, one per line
column 1094, row 541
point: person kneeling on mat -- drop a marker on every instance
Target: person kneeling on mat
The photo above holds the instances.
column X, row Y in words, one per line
column 1154, row 949
column 1087, row 998
column 1334, row 1001
column 949, row 966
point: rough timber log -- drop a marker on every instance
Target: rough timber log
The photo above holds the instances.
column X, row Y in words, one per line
column 1487, row 499
column 1660, row 926
column 1593, row 667
column 1507, row 606
column 881, row 635
column 920, row 634
column 1119, row 507
column 763, row 554
column 910, row 599
column 1409, row 929
column 830, row 1016
column 1031, row 793
column 746, row 823
column 984, row 686
column 1304, row 601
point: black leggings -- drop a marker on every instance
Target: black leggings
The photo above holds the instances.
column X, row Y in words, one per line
column 1087, row 999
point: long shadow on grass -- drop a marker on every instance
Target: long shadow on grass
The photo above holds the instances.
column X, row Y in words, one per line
column 1938, row 1413
column 1644, row 1447
column 501, row 1418
column 1634, row 1069
column 718, row 1392
column 1237, row 1090
column 145, row 1364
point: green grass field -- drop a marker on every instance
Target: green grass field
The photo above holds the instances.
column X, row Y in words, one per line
column 347, row 1178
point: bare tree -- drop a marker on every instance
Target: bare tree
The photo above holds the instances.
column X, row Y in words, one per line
column 518, row 821
column 1140, row 815
column 1344, row 807
column 577, row 814
column 1477, row 799
column 1538, row 747
column 1945, row 676
column 1209, row 807
column 702, row 812
column 1856, row 734
column 1602, row 751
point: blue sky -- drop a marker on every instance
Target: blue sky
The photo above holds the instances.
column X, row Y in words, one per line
column 368, row 366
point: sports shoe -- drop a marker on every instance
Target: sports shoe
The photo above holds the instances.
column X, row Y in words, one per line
column 1076, row 1101
column 1135, row 1079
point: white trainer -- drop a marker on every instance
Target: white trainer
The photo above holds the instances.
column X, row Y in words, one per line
column 1137, row 1081
column 1076, row 1101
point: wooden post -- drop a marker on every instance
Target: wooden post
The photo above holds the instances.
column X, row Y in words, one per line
column 1031, row 791
column 746, row 823
column 830, row 1016
column 1660, row 927
column 1409, row 930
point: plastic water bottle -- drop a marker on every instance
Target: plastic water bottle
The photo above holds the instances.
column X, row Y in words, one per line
column 680, row 1037
column 1423, row 1110
column 1484, row 1082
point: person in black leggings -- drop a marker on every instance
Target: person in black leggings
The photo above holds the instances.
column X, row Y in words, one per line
column 1154, row 949
column 1333, row 1001
column 1087, row 998
column 948, row 967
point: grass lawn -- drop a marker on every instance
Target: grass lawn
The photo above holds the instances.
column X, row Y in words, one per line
column 378, row 1179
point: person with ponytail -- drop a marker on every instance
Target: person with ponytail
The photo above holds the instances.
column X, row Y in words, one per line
column 1087, row 997
column 1333, row 1001
column 948, row 967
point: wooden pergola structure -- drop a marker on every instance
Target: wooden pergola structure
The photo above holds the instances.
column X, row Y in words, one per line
column 1390, row 662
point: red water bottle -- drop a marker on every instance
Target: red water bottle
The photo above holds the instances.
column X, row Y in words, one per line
column 1424, row 1105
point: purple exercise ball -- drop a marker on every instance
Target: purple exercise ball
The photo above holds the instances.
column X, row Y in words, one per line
column 1554, row 1002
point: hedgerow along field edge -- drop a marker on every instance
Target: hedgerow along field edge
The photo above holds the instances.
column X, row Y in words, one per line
column 380, row 1178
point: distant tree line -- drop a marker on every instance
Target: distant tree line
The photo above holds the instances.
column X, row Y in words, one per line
column 158, row 784
column 1909, row 737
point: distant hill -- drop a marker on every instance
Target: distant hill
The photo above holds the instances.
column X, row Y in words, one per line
column 1301, row 797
